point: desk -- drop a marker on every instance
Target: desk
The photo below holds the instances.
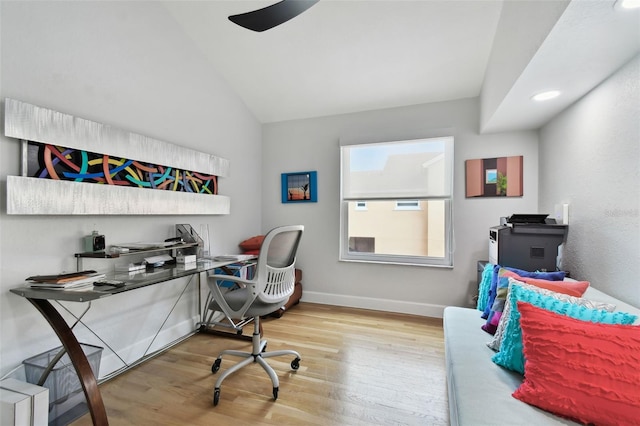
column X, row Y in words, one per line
column 40, row 298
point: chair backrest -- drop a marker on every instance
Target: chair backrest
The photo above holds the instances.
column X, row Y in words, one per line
column 275, row 272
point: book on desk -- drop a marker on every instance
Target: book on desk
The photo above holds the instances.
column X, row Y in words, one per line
column 65, row 281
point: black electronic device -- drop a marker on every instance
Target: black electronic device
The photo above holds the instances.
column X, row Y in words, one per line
column 527, row 218
column 528, row 241
column 112, row 283
column 94, row 242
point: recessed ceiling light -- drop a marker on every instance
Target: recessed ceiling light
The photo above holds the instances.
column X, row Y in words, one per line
column 545, row 96
column 627, row 4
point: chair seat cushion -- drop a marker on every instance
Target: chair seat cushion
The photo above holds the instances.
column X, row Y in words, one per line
column 236, row 299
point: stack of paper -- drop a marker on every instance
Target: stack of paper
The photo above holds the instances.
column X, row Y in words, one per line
column 71, row 280
column 234, row 257
column 149, row 246
column 131, row 267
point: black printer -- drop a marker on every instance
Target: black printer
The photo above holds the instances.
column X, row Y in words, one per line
column 527, row 241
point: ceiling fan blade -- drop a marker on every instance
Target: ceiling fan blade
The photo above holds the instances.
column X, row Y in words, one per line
column 272, row 16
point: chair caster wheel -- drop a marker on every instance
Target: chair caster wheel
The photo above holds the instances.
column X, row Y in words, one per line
column 275, row 393
column 216, row 396
column 295, row 364
column 216, row 366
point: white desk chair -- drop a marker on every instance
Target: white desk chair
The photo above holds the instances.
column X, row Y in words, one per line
column 269, row 290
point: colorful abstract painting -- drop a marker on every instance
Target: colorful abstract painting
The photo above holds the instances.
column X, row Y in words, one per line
column 59, row 163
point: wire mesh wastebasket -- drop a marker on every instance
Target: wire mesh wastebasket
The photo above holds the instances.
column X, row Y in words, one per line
column 65, row 390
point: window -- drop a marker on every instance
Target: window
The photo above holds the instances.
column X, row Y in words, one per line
column 361, row 205
column 362, row 244
column 396, row 202
column 408, row 205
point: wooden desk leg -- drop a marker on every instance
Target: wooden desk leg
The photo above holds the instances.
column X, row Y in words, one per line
column 78, row 359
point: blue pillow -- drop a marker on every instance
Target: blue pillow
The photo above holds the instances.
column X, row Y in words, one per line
column 483, row 287
column 510, row 355
column 502, row 289
column 551, row 276
column 491, row 295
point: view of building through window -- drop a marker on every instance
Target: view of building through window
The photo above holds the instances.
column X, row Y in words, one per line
column 387, row 227
column 396, row 202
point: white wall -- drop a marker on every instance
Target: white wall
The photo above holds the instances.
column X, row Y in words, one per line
column 312, row 144
column 590, row 158
column 126, row 64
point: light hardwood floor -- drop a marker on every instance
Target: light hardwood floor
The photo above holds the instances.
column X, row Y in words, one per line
column 358, row 367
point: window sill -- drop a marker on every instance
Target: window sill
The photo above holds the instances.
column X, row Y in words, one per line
column 396, row 263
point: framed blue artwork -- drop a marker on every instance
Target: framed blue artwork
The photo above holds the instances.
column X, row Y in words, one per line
column 300, row 187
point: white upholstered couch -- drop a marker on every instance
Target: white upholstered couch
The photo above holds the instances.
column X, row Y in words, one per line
column 479, row 390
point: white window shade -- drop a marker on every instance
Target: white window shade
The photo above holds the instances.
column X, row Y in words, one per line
column 398, row 170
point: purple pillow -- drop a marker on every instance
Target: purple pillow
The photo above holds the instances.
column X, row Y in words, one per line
column 492, row 323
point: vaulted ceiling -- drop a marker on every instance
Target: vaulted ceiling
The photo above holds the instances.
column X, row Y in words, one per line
column 343, row 56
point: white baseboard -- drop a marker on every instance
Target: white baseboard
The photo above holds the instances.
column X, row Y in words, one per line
column 400, row 306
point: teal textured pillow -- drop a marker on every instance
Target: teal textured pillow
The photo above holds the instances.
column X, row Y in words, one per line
column 483, row 287
column 510, row 355
column 506, row 314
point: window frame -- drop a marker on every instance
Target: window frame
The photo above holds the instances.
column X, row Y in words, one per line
column 446, row 261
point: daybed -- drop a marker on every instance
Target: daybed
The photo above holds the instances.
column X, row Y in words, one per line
column 480, row 392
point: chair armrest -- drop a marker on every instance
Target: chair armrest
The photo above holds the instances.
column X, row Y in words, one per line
column 216, row 293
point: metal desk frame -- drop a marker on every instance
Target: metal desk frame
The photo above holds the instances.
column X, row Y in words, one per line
column 41, row 300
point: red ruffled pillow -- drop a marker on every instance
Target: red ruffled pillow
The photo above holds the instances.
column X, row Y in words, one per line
column 580, row 370
column 252, row 244
column 572, row 288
